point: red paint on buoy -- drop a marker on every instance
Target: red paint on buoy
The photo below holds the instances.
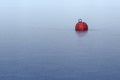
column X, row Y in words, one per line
column 81, row 26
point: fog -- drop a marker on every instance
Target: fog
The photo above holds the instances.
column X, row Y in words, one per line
column 59, row 12
column 38, row 40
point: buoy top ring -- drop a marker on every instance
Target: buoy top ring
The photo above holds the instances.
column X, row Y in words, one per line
column 79, row 20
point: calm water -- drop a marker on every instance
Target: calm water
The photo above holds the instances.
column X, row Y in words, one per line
column 37, row 45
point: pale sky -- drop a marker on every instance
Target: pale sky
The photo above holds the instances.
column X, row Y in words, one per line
column 60, row 10
column 65, row 3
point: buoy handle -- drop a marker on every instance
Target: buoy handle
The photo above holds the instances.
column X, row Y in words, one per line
column 79, row 20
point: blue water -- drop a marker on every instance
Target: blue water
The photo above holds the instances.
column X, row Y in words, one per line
column 59, row 54
column 41, row 44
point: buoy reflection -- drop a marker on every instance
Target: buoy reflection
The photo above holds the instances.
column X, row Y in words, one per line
column 81, row 33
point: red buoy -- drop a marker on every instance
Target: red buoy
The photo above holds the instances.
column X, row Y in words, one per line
column 81, row 26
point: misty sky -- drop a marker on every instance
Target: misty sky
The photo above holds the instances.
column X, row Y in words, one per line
column 49, row 11
column 65, row 3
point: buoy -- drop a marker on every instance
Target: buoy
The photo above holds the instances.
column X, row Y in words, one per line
column 81, row 26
